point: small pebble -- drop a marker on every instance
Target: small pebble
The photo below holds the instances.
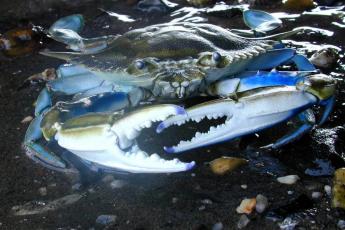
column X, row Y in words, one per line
column 328, row 190
column 288, row 224
column 76, row 186
column 243, row 221
column 218, row 226
column 341, row 224
column 261, row 203
column 174, row 200
column 325, row 58
column 244, row 186
column 108, row 178
column 290, row 179
column 106, row 219
column 316, row 195
column 27, row 119
column 223, row 165
column 290, row 192
column 193, row 175
column 202, row 207
column 117, row 184
column 338, row 190
column 246, row 206
column 42, row 191
column 206, row 201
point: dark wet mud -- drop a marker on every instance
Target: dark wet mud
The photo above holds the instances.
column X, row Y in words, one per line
column 30, row 195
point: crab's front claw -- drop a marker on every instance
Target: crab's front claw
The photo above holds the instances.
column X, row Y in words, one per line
column 110, row 140
column 251, row 112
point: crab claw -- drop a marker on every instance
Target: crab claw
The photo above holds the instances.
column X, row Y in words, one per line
column 109, row 140
column 250, row 113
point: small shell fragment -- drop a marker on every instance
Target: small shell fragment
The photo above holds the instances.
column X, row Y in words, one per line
column 224, row 165
column 27, row 119
column 246, row 206
column 290, row 179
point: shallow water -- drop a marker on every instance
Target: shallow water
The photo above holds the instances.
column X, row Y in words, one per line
column 175, row 201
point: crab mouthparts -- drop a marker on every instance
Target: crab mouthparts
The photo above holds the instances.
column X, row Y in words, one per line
column 216, row 133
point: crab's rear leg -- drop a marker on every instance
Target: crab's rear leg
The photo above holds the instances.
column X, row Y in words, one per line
column 307, row 122
column 38, row 152
column 66, row 30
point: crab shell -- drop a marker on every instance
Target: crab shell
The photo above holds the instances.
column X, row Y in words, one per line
column 171, row 59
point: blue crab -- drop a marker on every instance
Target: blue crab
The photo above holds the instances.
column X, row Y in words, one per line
column 162, row 63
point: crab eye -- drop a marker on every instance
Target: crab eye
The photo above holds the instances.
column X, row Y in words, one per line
column 140, row 64
column 216, row 57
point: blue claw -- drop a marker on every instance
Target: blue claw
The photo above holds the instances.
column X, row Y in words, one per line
column 43, row 101
column 302, row 63
column 308, row 120
column 261, row 79
column 260, row 21
column 271, row 59
column 329, row 104
column 73, row 22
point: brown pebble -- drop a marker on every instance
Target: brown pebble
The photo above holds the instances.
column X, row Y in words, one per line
column 246, row 206
column 224, row 165
column 338, row 191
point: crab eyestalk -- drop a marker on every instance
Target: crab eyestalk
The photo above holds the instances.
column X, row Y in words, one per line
column 110, row 140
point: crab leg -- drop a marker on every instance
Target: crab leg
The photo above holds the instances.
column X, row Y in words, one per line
column 109, row 140
column 37, row 152
column 307, row 119
column 66, row 30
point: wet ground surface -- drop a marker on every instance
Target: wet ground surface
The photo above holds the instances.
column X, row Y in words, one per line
column 193, row 200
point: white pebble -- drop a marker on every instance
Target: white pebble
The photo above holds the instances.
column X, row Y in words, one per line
column 108, row 178
column 218, row 226
column 328, row 190
column 261, row 203
column 206, row 201
column 290, row 179
column 117, row 184
column 174, row 200
column 106, row 219
column 27, row 119
column 244, row 186
column 43, row 191
column 243, row 221
column 316, row 195
column 341, row 224
column 290, row 192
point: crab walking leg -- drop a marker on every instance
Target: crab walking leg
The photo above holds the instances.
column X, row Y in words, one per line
column 249, row 114
column 66, row 30
column 39, row 153
column 307, row 119
column 109, row 140
column 328, row 104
